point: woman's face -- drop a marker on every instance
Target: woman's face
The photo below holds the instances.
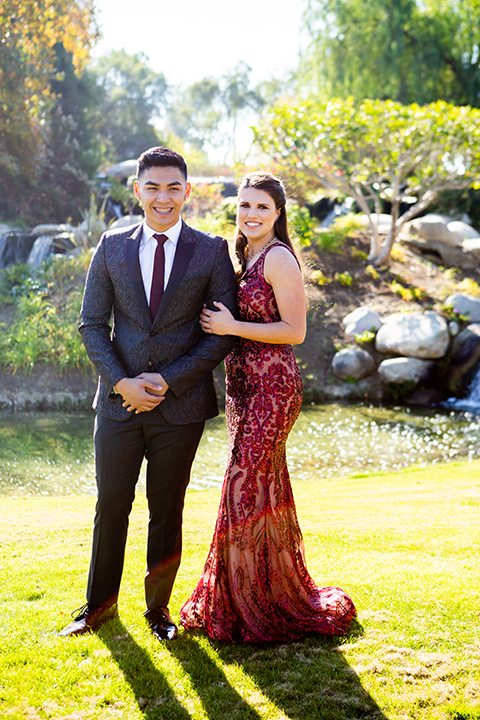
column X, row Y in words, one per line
column 256, row 214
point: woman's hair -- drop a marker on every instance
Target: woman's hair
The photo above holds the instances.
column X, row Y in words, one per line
column 274, row 187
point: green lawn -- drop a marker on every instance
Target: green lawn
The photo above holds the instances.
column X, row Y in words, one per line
column 404, row 545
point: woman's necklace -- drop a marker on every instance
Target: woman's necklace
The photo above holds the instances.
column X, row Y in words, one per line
column 259, row 252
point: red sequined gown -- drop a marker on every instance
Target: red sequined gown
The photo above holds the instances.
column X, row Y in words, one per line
column 255, row 586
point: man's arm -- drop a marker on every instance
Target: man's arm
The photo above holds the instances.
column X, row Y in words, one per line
column 96, row 314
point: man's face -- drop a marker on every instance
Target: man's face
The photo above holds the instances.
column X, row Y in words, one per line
column 162, row 192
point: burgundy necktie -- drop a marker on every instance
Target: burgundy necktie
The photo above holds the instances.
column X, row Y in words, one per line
column 158, row 278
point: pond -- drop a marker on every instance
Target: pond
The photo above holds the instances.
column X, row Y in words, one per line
column 52, row 453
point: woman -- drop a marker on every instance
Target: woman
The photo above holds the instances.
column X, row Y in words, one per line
column 255, row 586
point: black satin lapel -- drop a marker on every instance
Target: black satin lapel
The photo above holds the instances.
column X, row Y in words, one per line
column 183, row 255
column 133, row 264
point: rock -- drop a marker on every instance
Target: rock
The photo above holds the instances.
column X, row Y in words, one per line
column 441, row 253
column 464, row 305
column 462, row 231
column 122, row 170
column 369, row 388
column 51, row 229
column 426, row 396
column 464, row 354
column 382, row 221
column 453, row 328
column 361, row 319
column 404, row 370
column 352, row 363
column 45, row 389
column 420, row 335
column 125, row 221
column 433, row 227
column 472, row 246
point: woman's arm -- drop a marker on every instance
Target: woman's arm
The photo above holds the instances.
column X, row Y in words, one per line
column 283, row 274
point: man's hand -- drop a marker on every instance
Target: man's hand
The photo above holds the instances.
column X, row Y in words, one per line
column 140, row 394
column 157, row 380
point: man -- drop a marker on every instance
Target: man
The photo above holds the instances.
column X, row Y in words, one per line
column 155, row 388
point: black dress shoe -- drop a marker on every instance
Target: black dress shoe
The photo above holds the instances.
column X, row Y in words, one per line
column 161, row 623
column 89, row 618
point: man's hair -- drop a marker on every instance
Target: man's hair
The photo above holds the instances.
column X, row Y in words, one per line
column 161, row 157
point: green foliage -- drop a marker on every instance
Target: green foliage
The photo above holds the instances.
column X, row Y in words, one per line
column 365, row 338
column 300, row 223
column 469, row 286
column 344, row 278
column 374, row 151
column 72, row 146
column 452, row 313
column 220, row 221
column 43, row 330
column 88, row 234
column 373, row 272
column 408, row 50
column 130, row 96
column 206, row 198
column 333, row 238
column 319, row 278
column 407, row 293
column 29, row 37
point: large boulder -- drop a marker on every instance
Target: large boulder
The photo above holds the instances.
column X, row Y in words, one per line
column 464, row 354
column 125, row 221
column 433, row 227
column 466, row 306
column 405, row 370
column 361, row 319
column 462, row 231
column 421, row 335
column 472, row 246
column 441, row 253
column 51, row 229
column 382, row 221
column 352, row 364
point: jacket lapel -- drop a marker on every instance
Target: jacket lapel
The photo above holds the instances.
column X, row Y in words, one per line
column 183, row 255
column 133, row 264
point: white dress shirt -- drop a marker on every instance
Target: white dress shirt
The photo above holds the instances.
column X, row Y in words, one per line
column 146, row 254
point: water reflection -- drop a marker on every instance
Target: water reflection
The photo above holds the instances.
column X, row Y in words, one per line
column 51, row 454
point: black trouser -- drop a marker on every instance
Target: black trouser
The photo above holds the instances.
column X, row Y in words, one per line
column 119, row 451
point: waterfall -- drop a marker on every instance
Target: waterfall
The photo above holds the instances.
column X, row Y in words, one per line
column 3, row 244
column 41, row 248
column 472, row 401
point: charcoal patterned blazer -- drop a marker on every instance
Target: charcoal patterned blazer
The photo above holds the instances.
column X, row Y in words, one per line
column 122, row 340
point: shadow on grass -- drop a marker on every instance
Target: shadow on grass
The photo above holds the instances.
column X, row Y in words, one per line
column 219, row 699
column 311, row 680
column 153, row 694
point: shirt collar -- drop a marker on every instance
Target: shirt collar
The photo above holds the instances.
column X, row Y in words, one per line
column 172, row 233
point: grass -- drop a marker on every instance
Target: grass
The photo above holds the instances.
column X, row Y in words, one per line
column 404, row 545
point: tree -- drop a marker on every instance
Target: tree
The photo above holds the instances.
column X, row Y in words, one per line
column 374, row 151
column 408, row 50
column 133, row 96
column 73, row 149
column 206, row 114
column 237, row 97
column 195, row 114
column 29, row 32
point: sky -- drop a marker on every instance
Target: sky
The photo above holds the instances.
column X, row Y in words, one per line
column 191, row 39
